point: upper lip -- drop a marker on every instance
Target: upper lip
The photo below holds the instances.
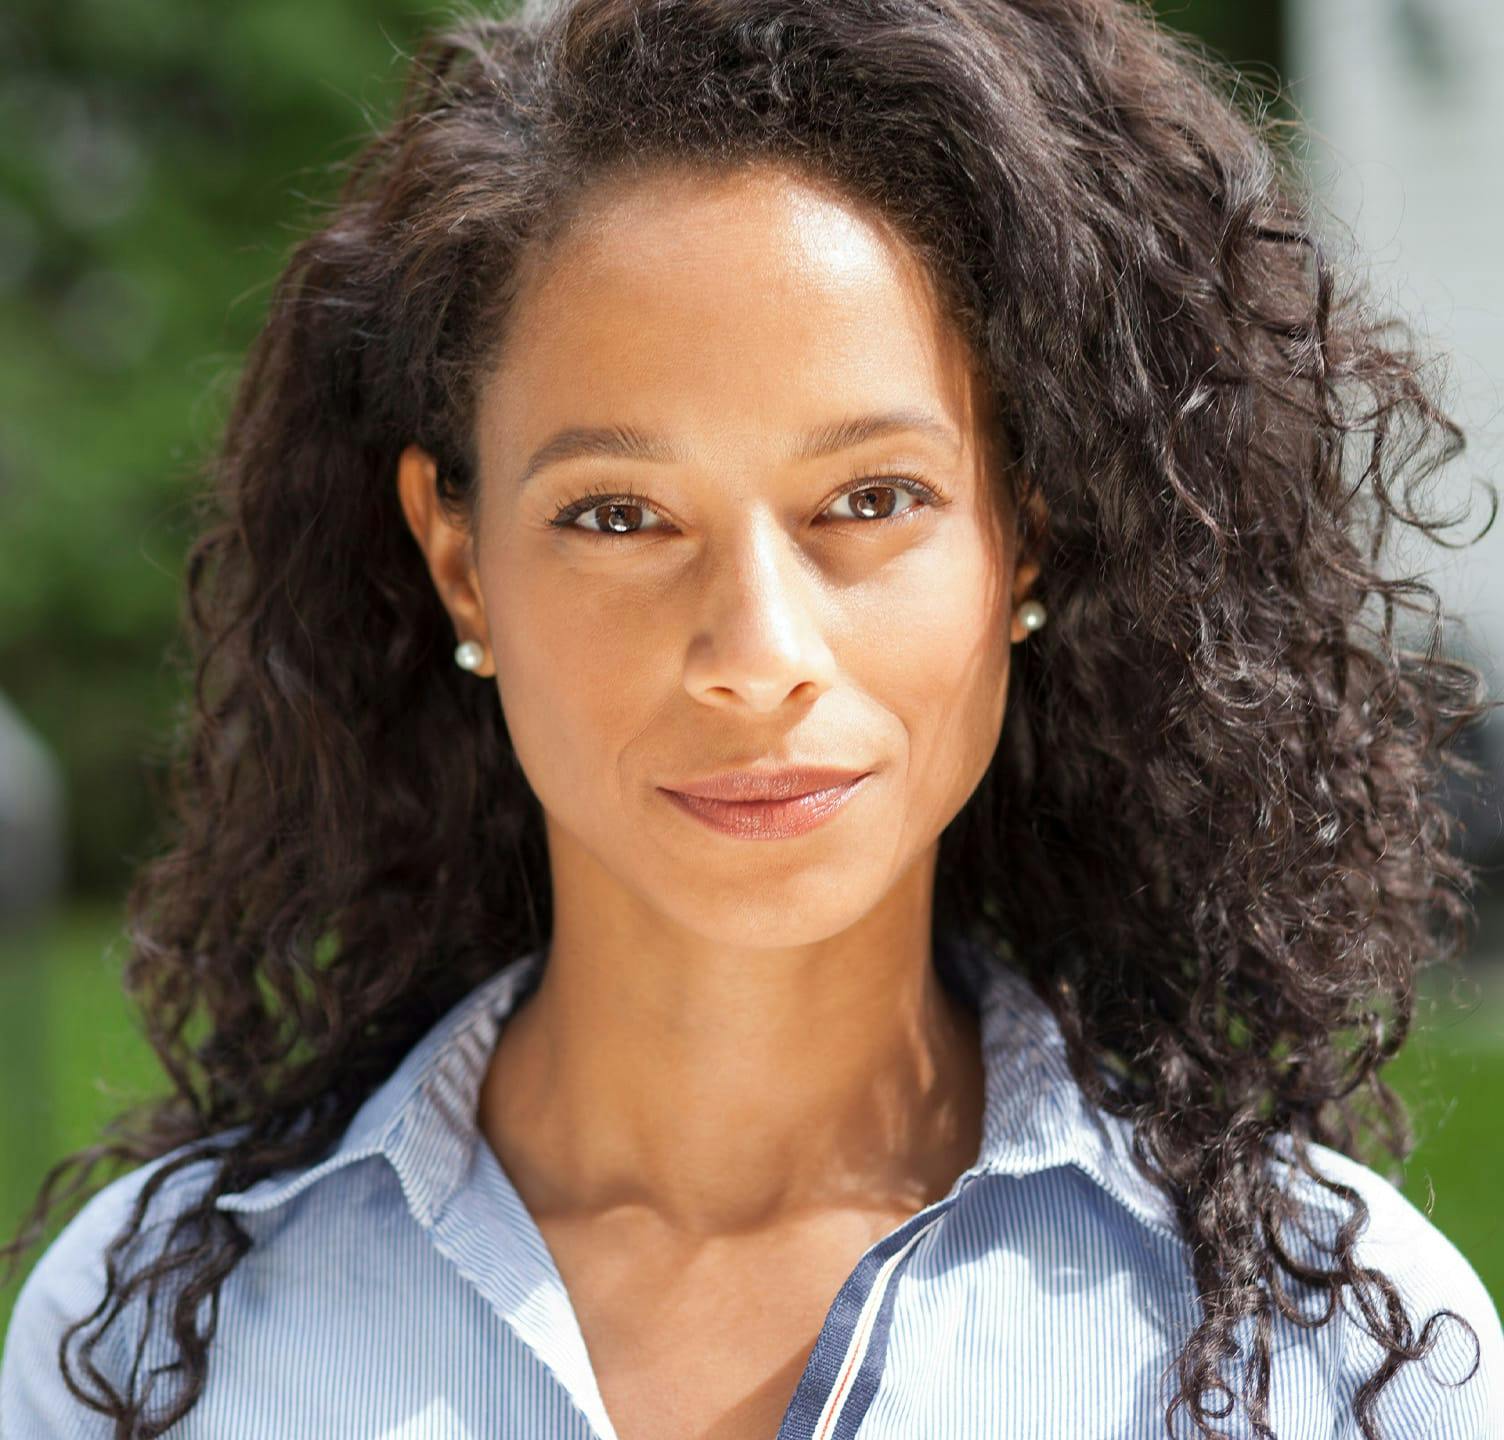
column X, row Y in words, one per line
column 752, row 783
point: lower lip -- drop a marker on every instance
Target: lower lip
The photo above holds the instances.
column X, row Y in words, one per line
column 768, row 819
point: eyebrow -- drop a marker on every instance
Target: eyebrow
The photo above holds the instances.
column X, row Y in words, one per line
column 629, row 443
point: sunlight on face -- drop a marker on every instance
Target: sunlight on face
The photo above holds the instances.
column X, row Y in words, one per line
column 678, row 576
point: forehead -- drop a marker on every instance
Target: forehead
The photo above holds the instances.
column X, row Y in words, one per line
column 730, row 301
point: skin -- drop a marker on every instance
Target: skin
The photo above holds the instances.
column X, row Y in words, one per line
column 739, row 1060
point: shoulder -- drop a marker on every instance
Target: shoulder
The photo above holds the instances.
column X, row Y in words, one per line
column 1457, row 1391
column 65, row 1285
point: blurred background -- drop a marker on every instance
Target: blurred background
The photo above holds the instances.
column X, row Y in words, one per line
column 157, row 162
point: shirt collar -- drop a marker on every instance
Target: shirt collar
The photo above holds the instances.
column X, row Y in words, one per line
column 422, row 1119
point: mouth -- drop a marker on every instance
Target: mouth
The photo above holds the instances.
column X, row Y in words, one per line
column 776, row 818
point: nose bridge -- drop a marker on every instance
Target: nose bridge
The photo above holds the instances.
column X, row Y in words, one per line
column 761, row 633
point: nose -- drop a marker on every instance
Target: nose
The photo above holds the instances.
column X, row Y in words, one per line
column 761, row 638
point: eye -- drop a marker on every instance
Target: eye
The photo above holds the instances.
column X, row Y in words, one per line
column 619, row 516
column 615, row 515
column 872, row 498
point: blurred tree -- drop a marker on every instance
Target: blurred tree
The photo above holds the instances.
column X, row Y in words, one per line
column 157, row 162
column 154, row 160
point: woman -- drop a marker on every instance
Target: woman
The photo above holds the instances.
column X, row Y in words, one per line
column 795, row 825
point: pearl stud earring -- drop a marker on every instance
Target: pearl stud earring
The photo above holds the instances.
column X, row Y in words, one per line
column 1032, row 614
column 468, row 655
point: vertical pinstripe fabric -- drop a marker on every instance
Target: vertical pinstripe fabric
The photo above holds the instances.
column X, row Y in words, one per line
column 400, row 1289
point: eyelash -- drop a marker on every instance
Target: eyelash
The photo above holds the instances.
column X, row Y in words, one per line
column 895, row 479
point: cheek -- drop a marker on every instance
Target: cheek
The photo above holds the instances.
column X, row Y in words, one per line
column 570, row 666
column 944, row 669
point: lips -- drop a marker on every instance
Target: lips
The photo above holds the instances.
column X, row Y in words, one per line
column 764, row 819
column 751, row 784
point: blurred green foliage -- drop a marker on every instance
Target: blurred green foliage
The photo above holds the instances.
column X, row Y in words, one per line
column 157, row 162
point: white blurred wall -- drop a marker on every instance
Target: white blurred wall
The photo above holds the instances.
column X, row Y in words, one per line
column 1405, row 101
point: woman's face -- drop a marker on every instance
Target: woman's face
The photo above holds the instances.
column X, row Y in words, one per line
column 763, row 608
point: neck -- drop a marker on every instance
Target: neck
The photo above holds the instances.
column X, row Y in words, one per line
column 725, row 1089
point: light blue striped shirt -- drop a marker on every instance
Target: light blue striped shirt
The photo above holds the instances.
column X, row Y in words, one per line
column 400, row 1288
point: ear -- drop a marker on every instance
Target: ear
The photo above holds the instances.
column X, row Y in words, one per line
column 1027, row 566
column 447, row 548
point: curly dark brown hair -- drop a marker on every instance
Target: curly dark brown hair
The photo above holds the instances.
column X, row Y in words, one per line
column 1212, row 831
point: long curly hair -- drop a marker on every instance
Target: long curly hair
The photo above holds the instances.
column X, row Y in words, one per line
column 1211, row 833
